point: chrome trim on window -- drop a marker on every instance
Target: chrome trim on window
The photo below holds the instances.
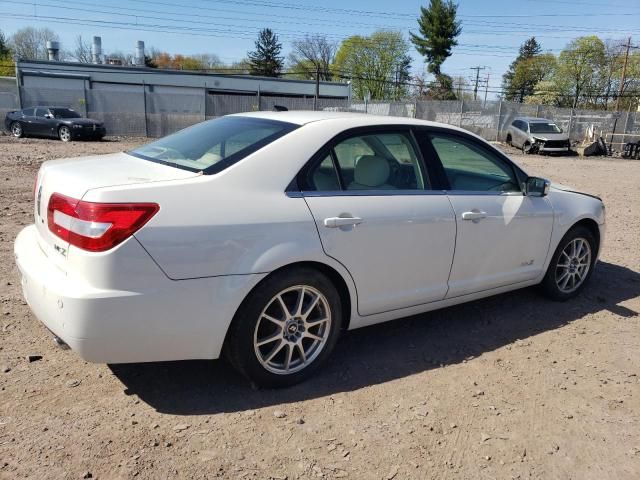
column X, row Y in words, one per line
column 365, row 193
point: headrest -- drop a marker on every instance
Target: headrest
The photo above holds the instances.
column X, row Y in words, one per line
column 371, row 171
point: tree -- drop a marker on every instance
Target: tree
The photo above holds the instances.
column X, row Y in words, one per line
column 438, row 30
column 314, row 53
column 517, row 91
column 7, row 67
column 530, row 71
column 265, row 59
column 378, row 65
column 30, row 43
column 82, row 51
column 578, row 66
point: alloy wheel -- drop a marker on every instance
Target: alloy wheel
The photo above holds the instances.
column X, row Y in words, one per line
column 16, row 129
column 573, row 265
column 292, row 330
column 65, row 134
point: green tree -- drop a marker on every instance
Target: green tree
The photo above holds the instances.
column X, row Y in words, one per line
column 578, row 67
column 378, row 65
column 438, row 30
column 529, row 72
column 516, row 91
column 7, row 67
column 265, row 59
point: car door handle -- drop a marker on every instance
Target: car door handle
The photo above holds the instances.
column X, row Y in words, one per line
column 474, row 215
column 335, row 222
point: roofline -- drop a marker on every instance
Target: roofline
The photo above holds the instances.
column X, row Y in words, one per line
column 141, row 69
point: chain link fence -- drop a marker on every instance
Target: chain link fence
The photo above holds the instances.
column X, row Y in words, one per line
column 145, row 110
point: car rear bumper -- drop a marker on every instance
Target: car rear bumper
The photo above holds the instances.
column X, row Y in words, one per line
column 185, row 319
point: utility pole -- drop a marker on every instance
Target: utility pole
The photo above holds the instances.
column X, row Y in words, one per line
column 475, row 89
column 486, row 90
column 624, row 73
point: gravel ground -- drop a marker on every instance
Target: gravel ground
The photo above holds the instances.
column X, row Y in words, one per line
column 513, row 386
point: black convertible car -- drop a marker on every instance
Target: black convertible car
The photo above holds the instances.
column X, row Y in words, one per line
column 58, row 122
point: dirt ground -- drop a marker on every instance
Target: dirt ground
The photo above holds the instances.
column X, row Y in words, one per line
column 513, row 386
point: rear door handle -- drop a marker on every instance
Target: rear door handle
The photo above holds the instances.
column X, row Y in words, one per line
column 335, row 222
column 474, row 215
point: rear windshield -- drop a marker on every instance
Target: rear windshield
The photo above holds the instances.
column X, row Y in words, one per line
column 540, row 127
column 212, row 146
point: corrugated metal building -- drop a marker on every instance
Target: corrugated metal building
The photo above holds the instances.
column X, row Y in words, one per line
column 154, row 102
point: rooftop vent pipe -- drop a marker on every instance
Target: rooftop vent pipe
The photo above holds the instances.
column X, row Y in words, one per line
column 53, row 51
column 96, row 50
column 139, row 60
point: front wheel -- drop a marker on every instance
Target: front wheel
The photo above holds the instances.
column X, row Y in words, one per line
column 286, row 328
column 16, row 129
column 571, row 265
column 64, row 133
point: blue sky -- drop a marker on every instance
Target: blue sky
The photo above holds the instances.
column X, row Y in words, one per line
column 492, row 29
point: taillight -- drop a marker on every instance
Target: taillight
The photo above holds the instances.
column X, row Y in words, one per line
column 96, row 226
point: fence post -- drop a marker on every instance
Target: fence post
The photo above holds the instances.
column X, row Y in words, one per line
column 624, row 131
column 18, row 83
column 570, row 123
column 498, row 123
column 537, row 111
column 461, row 111
column 84, row 93
column 144, row 100
column 258, row 95
column 415, row 108
column 204, row 102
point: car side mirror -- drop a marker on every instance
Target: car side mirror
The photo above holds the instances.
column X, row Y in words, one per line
column 48, row 115
column 536, row 187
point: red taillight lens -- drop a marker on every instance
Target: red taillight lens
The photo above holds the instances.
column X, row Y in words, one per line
column 96, row 227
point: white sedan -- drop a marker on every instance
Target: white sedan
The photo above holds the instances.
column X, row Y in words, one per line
column 262, row 236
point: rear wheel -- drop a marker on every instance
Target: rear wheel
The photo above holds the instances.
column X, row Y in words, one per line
column 16, row 129
column 64, row 133
column 509, row 140
column 286, row 328
column 572, row 264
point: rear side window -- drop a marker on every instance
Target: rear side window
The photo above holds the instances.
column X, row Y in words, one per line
column 377, row 161
column 212, row 146
column 28, row 112
column 470, row 167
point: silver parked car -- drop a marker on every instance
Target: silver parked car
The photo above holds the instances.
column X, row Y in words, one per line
column 537, row 135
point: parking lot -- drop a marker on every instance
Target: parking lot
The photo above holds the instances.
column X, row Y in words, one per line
column 514, row 386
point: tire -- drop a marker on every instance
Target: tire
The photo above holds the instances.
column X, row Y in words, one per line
column 16, row 129
column 555, row 284
column 262, row 319
column 64, row 133
column 526, row 148
column 509, row 141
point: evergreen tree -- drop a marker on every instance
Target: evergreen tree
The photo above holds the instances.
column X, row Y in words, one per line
column 518, row 90
column 438, row 30
column 5, row 52
column 266, row 60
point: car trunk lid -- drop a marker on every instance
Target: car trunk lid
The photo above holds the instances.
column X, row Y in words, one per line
column 74, row 177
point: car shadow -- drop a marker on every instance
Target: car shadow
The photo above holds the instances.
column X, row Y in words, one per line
column 384, row 352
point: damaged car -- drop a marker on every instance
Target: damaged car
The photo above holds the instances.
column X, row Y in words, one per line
column 537, row 135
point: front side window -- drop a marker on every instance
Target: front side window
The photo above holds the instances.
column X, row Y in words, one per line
column 376, row 161
column 41, row 112
column 28, row 112
column 470, row 167
column 214, row 145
